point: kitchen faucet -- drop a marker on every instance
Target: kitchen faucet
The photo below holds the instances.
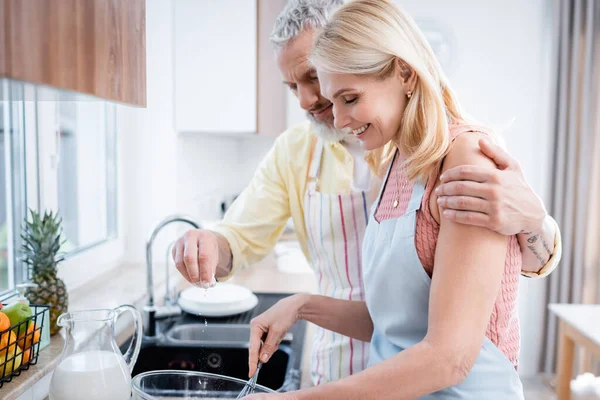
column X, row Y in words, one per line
column 151, row 310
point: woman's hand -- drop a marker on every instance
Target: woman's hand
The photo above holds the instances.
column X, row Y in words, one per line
column 274, row 323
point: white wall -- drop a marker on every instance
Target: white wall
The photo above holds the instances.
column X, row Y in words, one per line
column 209, row 169
column 252, row 151
column 151, row 142
column 213, row 168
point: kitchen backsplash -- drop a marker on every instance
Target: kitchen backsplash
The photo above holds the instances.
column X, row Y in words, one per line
column 214, row 169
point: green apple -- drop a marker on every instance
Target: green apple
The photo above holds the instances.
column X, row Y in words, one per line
column 18, row 312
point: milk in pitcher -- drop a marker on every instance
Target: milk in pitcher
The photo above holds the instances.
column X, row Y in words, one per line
column 91, row 375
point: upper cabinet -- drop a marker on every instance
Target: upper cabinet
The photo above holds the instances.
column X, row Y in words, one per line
column 215, row 66
column 97, row 47
column 226, row 77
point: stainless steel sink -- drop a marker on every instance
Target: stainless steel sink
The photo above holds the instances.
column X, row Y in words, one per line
column 218, row 349
column 277, row 374
column 220, row 345
column 225, row 335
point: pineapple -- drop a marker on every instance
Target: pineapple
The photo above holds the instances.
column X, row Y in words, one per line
column 41, row 244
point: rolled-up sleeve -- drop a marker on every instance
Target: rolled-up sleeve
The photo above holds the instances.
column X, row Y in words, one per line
column 554, row 258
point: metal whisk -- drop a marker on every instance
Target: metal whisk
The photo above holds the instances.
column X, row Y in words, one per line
column 251, row 384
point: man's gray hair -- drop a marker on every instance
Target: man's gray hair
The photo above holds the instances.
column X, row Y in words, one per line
column 299, row 15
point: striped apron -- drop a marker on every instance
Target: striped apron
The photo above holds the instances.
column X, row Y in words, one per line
column 335, row 226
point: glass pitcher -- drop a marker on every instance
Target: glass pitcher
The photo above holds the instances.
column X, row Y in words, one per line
column 92, row 366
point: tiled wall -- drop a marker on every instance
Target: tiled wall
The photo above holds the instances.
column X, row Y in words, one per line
column 212, row 169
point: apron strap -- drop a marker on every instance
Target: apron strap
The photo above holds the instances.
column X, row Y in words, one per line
column 383, row 183
column 315, row 164
column 415, row 197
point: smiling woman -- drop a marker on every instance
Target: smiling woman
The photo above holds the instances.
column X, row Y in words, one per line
column 440, row 297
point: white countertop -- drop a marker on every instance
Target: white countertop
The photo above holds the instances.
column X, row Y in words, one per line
column 583, row 317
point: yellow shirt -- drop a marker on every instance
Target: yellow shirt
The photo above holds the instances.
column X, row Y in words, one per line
column 256, row 220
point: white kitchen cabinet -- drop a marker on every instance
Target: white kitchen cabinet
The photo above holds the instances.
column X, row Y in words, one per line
column 215, row 65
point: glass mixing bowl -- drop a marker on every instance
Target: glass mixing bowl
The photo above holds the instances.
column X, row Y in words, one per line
column 167, row 385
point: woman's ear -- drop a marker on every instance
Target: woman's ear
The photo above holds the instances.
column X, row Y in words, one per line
column 407, row 75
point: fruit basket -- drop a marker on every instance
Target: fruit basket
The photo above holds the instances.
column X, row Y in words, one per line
column 20, row 342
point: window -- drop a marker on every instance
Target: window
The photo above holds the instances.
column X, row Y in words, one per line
column 57, row 152
column 12, row 177
column 77, row 164
column 5, row 209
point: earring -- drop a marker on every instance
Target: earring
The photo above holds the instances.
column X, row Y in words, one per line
column 409, row 94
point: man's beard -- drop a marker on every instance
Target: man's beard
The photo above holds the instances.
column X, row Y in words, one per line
column 326, row 132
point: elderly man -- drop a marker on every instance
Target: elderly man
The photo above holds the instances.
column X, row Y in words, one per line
column 318, row 176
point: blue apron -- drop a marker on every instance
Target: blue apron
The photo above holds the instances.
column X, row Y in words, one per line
column 397, row 295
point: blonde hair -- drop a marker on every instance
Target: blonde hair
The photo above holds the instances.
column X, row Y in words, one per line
column 366, row 37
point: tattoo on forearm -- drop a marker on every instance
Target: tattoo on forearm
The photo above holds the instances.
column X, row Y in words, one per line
column 546, row 247
column 537, row 255
column 533, row 239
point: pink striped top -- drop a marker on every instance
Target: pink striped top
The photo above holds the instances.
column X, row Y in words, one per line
column 503, row 328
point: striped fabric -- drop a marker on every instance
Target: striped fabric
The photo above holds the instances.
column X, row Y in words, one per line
column 335, row 226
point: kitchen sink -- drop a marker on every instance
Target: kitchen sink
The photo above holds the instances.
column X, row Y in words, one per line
column 221, row 334
column 219, row 345
column 228, row 361
column 200, row 334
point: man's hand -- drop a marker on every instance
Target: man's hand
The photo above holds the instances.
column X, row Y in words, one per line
column 500, row 200
column 196, row 256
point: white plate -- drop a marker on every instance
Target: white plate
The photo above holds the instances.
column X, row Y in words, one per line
column 222, row 300
column 219, row 311
column 222, row 293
